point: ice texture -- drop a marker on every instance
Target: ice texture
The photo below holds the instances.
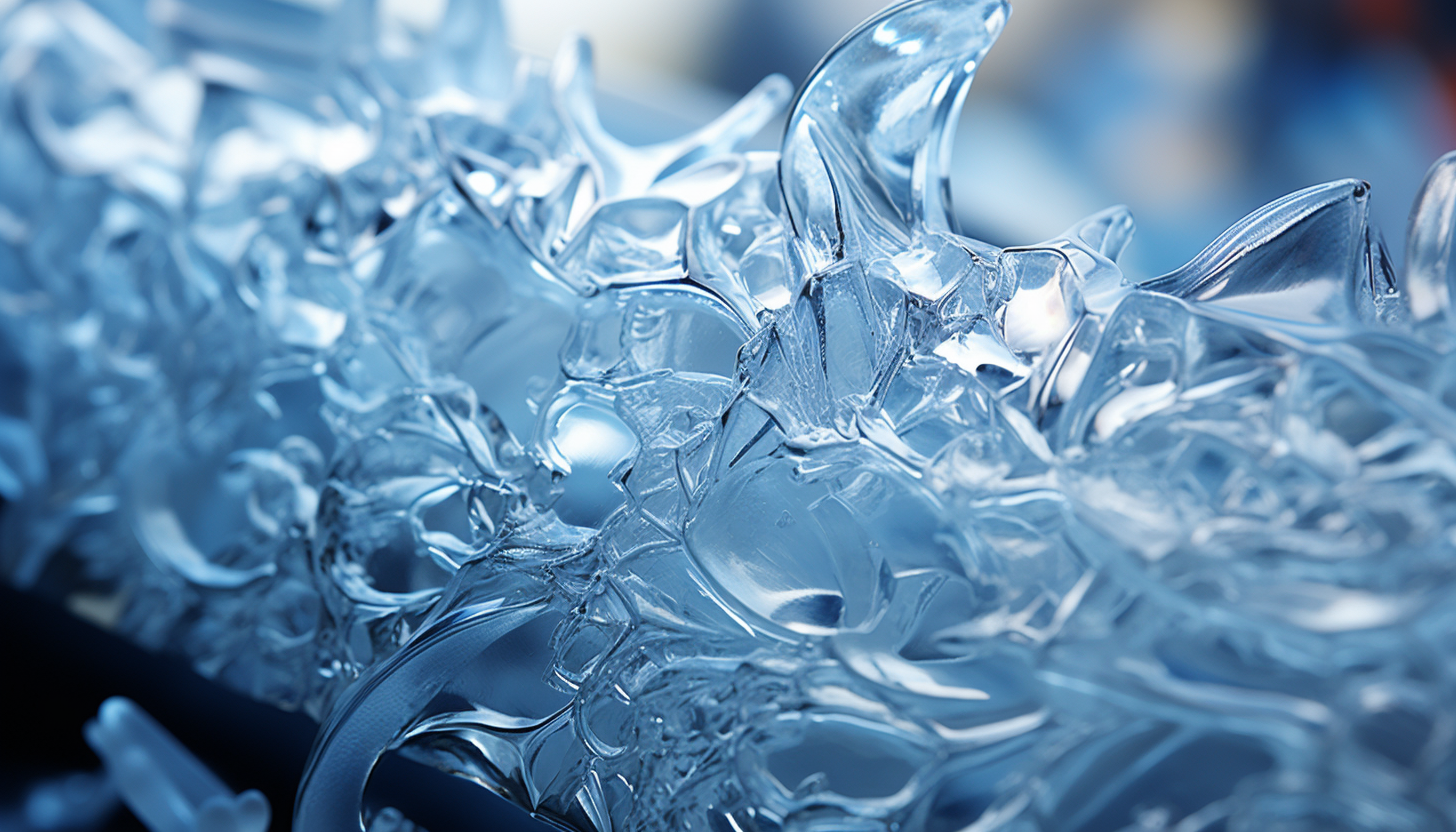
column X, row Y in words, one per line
column 679, row 487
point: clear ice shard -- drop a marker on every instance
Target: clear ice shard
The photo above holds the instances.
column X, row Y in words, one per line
column 164, row 785
column 680, row 487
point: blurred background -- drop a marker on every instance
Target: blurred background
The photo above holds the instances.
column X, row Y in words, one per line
column 1191, row 112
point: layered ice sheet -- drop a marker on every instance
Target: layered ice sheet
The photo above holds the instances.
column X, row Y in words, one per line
column 674, row 487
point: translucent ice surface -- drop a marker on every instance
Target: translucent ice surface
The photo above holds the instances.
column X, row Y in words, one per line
column 683, row 488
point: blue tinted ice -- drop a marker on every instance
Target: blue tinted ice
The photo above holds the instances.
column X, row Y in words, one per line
column 679, row 487
column 166, row 787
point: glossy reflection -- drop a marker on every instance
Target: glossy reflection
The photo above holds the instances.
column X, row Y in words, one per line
column 681, row 488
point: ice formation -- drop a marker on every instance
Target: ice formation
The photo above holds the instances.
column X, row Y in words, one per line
column 163, row 784
column 677, row 487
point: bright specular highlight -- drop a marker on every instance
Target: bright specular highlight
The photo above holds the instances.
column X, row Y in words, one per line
column 677, row 487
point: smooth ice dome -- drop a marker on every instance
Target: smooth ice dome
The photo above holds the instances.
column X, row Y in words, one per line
column 676, row 487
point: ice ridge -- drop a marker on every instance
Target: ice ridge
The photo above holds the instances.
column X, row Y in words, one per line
column 680, row 487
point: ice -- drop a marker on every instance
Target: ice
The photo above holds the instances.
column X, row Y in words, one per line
column 868, row 142
column 80, row 800
column 161, row 782
column 1428, row 248
column 1303, row 258
column 682, row 487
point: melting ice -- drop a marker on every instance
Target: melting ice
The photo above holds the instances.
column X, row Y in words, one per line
column 677, row 487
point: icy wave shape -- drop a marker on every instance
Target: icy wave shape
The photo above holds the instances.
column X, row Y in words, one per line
column 675, row 487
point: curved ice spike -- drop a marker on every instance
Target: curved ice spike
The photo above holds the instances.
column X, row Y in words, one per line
column 868, row 142
column 623, row 169
column 1301, row 258
column 1430, row 267
column 1107, row 232
column 380, row 707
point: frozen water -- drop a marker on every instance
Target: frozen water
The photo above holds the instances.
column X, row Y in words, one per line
column 80, row 800
column 166, row 787
column 678, row 487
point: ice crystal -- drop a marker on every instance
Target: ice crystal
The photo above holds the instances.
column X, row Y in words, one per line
column 164, row 785
column 677, row 487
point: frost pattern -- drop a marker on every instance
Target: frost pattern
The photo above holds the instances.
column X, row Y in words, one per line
column 675, row 487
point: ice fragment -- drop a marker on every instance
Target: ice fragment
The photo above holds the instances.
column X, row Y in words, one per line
column 161, row 782
column 680, row 487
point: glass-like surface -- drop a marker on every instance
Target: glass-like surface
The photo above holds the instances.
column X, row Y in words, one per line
column 679, row 487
